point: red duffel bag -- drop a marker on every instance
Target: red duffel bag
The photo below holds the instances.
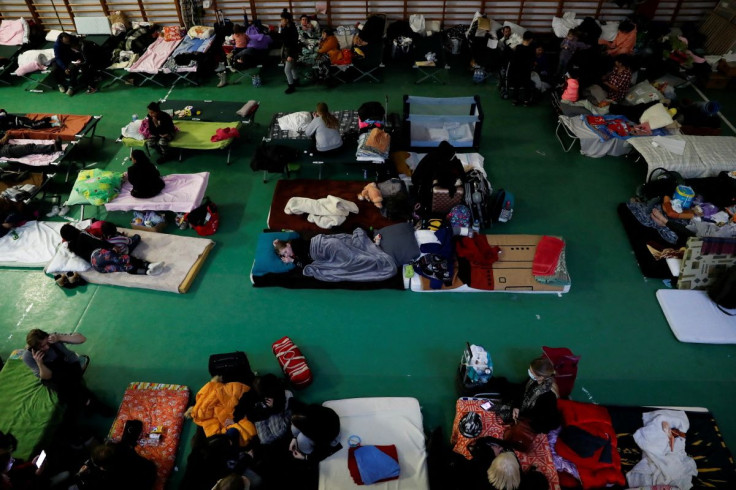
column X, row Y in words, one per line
column 292, row 362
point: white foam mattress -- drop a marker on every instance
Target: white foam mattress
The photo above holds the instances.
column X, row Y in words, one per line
column 694, row 318
column 379, row 421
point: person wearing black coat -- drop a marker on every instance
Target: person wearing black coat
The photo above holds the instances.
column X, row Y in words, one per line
column 290, row 49
column 144, row 176
column 161, row 131
column 439, row 167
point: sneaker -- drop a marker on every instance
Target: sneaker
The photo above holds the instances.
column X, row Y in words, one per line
column 62, row 89
column 70, row 91
column 290, row 90
column 63, row 210
column 54, row 211
column 91, row 90
column 155, row 268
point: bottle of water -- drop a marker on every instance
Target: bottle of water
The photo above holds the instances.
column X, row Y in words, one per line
column 476, row 226
column 134, row 117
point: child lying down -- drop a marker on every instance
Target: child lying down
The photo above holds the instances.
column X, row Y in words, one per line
column 340, row 257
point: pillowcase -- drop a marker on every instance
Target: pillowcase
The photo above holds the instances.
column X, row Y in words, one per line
column 399, row 242
column 95, row 187
column 29, row 68
column 66, row 261
column 201, row 32
column 296, row 121
column 53, row 34
column 172, row 33
column 266, row 261
column 657, row 117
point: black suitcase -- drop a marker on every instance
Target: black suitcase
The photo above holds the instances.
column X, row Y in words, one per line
column 233, row 366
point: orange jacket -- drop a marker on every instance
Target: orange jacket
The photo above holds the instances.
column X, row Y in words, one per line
column 623, row 44
column 331, row 47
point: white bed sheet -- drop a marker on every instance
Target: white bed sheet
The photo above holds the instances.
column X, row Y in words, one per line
column 181, row 194
column 379, row 421
column 694, row 318
column 704, row 156
column 590, row 144
column 35, row 246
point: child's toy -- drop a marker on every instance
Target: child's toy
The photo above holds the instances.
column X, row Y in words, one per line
column 371, row 193
column 186, row 112
column 292, row 362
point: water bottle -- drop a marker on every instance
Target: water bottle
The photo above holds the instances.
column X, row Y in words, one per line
column 134, row 117
column 476, row 226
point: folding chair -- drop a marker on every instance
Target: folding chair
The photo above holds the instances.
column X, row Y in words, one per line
column 430, row 70
column 372, row 62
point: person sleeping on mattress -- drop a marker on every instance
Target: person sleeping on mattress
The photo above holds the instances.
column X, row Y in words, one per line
column 11, row 121
column 341, row 257
column 8, row 150
column 102, row 255
column 144, row 176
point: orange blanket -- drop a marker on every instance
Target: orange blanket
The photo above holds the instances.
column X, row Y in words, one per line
column 71, row 125
column 156, row 405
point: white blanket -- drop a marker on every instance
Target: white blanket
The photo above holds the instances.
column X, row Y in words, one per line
column 326, row 212
column 34, row 247
column 181, row 194
column 661, row 463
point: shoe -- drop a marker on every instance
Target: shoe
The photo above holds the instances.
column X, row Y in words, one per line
column 62, row 89
column 54, row 211
column 91, row 90
column 290, row 89
column 155, row 268
column 223, row 79
column 57, row 144
column 75, row 279
column 70, row 91
column 61, row 280
column 63, row 210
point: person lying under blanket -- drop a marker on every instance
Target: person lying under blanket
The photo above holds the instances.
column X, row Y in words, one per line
column 341, row 257
column 103, row 256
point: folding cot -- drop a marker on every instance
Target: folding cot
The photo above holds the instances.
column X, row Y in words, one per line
column 430, row 58
column 13, row 39
column 152, row 61
column 196, row 130
column 361, row 67
column 30, row 411
column 188, row 46
column 701, row 156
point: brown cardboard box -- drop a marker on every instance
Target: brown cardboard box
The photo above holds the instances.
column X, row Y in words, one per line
column 727, row 68
column 717, row 81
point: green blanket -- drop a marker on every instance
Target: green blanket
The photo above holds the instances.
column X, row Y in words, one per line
column 28, row 410
column 195, row 135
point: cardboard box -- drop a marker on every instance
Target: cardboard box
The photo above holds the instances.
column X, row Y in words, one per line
column 727, row 68
column 717, row 81
column 156, row 229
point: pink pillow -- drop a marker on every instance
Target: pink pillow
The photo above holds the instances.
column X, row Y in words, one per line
column 29, row 68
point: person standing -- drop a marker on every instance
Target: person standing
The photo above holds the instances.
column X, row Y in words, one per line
column 289, row 50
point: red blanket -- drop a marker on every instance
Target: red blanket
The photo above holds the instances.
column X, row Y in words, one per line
column 594, row 420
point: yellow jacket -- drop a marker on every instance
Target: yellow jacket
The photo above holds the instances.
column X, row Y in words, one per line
column 214, row 407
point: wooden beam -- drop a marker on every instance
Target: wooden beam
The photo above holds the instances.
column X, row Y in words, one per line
column 598, row 9
column 142, row 10
column 68, row 9
column 521, row 12
column 560, row 8
column 34, row 13
column 105, row 9
column 676, row 11
column 328, row 4
column 178, row 12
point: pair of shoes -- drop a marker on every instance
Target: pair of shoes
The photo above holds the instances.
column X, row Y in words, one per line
column 91, row 90
column 62, row 89
column 290, row 89
column 70, row 91
column 155, row 268
column 54, row 211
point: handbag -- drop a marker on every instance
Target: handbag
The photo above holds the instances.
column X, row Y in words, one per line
column 723, row 290
column 520, row 435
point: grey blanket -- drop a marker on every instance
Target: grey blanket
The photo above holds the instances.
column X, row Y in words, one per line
column 344, row 257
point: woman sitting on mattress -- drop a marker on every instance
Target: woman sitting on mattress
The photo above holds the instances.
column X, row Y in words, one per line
column 536, row 404
column 144, row 176
column 103, row 256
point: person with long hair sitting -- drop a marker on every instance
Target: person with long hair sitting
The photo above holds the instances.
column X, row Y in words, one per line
column 326, row 130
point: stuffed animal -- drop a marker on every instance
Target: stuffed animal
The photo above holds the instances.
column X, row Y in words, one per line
column 373, row 194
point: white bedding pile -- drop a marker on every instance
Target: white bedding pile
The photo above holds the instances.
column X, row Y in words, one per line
column 34, row 247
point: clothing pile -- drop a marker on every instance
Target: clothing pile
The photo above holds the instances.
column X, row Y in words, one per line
column 613, row 126
column 374, row 145
column 549, row 266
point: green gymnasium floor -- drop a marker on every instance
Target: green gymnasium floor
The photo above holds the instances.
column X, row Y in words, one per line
column 382, row 343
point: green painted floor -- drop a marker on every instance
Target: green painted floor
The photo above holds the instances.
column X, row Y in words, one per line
column 382, row 343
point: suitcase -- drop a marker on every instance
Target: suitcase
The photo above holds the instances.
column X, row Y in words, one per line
column 443, row 203
column 292, row 362
column 232, row 366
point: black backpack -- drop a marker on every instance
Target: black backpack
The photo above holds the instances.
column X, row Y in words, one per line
column 478, row 192
column 723, row 290
column 232, row 366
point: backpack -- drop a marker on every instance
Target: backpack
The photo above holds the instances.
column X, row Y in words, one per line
column 723, row 290
column 661, row 182
column 232, row 366
column 205, row 219
column 478, row 197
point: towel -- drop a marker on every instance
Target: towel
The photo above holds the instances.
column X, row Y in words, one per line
column 326, row 212
column 373, row 464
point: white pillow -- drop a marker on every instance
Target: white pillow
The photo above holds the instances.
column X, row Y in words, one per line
column 132, row 130
column 66, row 261
column 495, row 26
column 657, row 117
column 515, row 28
column 609, row 31
column 296, row 121
column 201, row 32
column 53, row 34
column 562, row 25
